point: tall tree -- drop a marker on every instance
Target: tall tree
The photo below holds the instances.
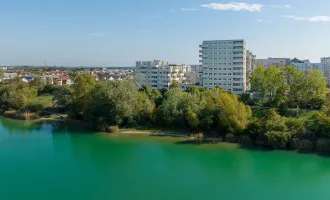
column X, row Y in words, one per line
column 275, row 85
column 315, row 87
column 296, row 81
column 259, row 83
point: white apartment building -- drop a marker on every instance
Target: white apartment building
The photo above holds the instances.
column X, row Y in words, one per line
column 224, row 64
column 251, row 64
column 159, row 74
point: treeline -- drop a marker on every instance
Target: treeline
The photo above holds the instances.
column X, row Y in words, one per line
column 121, row 103
column 15, row 95
column 288, row 88
column 107, row 105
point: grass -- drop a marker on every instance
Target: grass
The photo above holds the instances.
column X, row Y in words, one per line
column 45, row 100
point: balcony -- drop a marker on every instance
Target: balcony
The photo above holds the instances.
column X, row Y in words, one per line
column 201, row 61
column 200, row 51
column 203, row 46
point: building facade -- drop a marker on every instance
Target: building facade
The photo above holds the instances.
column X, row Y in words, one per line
column 224, row 64
column 277, row 62
column 159, row 74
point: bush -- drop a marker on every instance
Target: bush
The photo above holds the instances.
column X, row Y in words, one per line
column 306, row 145
column 231, row 138
column 295, row 126
column 322, row 145
column 277, row 139
column 35, row 108
column 113, row 129
column 245, row 140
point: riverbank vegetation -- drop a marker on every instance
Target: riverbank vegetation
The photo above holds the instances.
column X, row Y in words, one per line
column 286, row 110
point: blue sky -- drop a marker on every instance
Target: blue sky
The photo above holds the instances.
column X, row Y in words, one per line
column 119, row 32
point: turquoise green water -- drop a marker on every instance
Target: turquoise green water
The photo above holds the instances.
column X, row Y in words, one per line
column 40, row 162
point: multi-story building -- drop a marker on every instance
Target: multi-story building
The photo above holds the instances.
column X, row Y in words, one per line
column 224, row 64
column 194, row 74
column 251, row 64
column 260, row 62
column 325, row 63
column 325, row 60
column 277, row 62
column 306, row 65
column 159, row 74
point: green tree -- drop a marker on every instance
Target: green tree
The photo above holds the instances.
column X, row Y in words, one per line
column 62, row 97
column 275, row 85
column 2, row 74
column 233, row 115
column 174, row 84
column 314, row 88
column 259, row 83
column 116, row 102
column 296, row 81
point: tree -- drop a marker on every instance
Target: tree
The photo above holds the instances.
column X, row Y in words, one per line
column 233, row 115
column 174, row 84
column 81, row 97
column 116, row 102
column 2, row 74
column 275, row 85
column 259, row 83
column 38, row 83
column 296, row 81
column 192, row 119
column 61, row 97
column 315, row 87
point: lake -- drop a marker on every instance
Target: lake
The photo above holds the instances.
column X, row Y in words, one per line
column 50, row 163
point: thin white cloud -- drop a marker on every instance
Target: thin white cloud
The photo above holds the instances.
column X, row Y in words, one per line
column 189, row 9
column 309, row 19
column 280, row 6
column 97, row 34
column 266, row 21
column 172, row 10
column 234, row 6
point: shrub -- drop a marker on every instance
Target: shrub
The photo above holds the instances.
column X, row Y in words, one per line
column 306, row 144
column 35, row 108
column 113, row 129
column 245, row 140
column 231, row 138
column 277, row 139
column 322, row 145
column 295, row 126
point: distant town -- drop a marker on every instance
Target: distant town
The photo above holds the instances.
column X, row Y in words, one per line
column 224, row 63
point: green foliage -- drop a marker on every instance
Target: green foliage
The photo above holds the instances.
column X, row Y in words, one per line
column 192, row 119
column 278, row 139
column 115, row 101
column 175, row 84
column 233, row 115
column 38, row 83
column 16, row 94
column 274, row 87
column 34, row 108
column 62, row 97
column 268, row 84
column 2, row 74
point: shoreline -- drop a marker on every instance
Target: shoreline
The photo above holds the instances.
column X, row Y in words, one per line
column 244, row 141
